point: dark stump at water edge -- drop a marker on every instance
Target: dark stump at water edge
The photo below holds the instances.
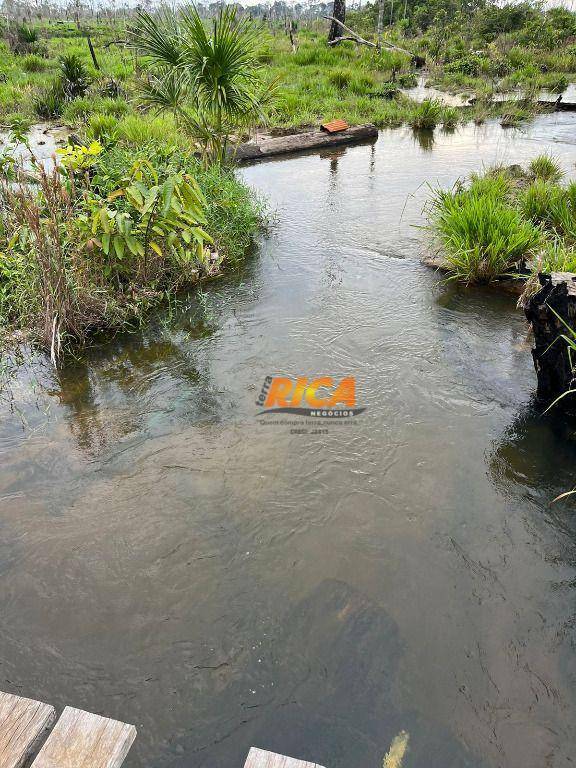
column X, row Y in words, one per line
column 552, row 314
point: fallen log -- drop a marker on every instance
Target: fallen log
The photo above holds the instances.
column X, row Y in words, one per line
column 298, row 142
column 552, row 312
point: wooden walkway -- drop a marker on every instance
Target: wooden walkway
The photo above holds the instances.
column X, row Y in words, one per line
column 78, row 740
column 82, row 740
column 258, row 758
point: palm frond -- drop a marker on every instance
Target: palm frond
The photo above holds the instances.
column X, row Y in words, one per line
column 157, row 37
column 166, row 90
column 210, row 74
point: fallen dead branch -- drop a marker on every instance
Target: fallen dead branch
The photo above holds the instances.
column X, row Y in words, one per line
column 360, row 40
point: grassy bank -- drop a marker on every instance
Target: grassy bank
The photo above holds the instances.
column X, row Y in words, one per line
column 506, row 218
column 92, row 246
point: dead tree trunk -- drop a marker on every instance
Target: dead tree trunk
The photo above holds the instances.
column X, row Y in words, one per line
column 552, row 313
column 380, row 24
column 339, row 14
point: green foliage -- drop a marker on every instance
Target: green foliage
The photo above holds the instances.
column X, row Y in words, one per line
column 426, row 115
column 33, row 63
column 504, row 216
column 74, row 76
column 450, row 117
column 24, row 39
column 552, row 207
column 148, row 215
column 49, row 102
column 94, row 245
column 211, row 81
column 558, row 257
column 102, row 127
column 515, row 115
column 546, row 168
column 482, row 236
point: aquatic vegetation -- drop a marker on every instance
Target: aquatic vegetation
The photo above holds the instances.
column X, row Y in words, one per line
column 545, row 167
column 557, row 257
column 504, row 216
column 514, row 116
column 427, row 114
column 450, row 117
column 481, row 235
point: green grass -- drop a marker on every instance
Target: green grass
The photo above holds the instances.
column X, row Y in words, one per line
column 482, row 237
column 545, row 168
column 504, row 216
column 315, row 84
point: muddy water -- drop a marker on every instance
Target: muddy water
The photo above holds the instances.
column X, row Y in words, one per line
column 168, row 559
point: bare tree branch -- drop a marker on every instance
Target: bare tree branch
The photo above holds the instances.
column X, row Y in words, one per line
column 360, row 40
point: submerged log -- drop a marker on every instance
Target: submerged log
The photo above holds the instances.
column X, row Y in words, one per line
column 552, row 312
column 297, row 142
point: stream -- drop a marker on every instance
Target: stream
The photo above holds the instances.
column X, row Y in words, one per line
column 170, row 558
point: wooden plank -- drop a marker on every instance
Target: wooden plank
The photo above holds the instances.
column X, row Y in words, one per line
column 23, row 723
column 83, row 740
column 259, row 758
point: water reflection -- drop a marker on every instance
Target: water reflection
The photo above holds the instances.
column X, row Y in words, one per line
column 424, row 137
column 169, row 560
column 537, row 455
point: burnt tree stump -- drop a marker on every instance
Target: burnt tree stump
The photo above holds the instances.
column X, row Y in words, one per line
column 555, row 372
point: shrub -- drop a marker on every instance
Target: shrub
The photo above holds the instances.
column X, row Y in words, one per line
column 85, row 252
column 24, row 39
column 33, row 63
column 49, row 102
column 467, row 65
column 74, row 76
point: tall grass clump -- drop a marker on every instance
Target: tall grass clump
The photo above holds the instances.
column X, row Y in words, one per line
column 33, row 63
column 49, row 102
column 481, row 235
column 426, row 115
column 546, row 167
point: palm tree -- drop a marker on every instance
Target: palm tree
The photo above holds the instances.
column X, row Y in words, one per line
column 210, row 79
